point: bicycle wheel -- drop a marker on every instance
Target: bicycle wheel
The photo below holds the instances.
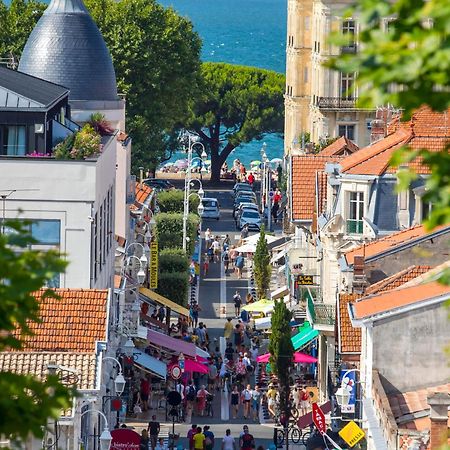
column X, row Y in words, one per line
column 305, row 436
column 296, row 434
column 280, row 437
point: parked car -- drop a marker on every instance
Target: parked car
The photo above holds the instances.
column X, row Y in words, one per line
column 158, row 184
column 211, row 208
column 241, row 187
column 244, row 206
column 241, row 199
column 247, row 193
column 251, row 218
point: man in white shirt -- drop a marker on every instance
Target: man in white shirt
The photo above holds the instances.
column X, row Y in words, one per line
column 228, row 442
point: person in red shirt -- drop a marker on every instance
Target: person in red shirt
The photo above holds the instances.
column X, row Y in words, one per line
column 251, row 179
column 145, row 393
column 277, row 196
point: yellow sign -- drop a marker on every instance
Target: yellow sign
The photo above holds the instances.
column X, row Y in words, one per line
column 153, row 264
column 305, row 280
column 351, row 433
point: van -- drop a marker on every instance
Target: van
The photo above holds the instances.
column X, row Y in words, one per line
column 211, row 209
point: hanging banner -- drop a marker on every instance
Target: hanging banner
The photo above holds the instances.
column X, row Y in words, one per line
column 125, row 439
column 348, row 382
column 153, row 268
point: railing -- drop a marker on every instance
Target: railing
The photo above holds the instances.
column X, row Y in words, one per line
column 321, row 313
column 354, row 226
column 336, row 102
column 349, row 49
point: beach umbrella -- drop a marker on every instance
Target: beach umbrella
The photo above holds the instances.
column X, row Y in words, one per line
column 299, row 357
column 261, row 306
column 253, row 239
column 276, row 161
column 255, row 163
column 181, row 163
column 167, row 164
column 193, row 366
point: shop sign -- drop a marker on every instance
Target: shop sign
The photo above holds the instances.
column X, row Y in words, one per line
column 125, row 439
column 175, row 372
column 154, row 264
column 319, row 418
column 351, row 433
column 296, row 268
column 305, row 280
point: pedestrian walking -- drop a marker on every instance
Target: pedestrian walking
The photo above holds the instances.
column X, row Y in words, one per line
column 238, row 337
column 237, row 299
column 246, row 396
column 212, row 375
column 193, row 313
column 304, row 401
column 226, row 260
column 161, row 445
column 199, row 440
column 244, row 232
column 190, row 436
column 251, row 179
column 239, row 265
column 205, row 264
column 208, row 237
column 216, row 249
column 246, row 441
column 275, row 208
column 234, row 402
column 256, row 402
column 209, row 438
column 228, row 442
column 201, row 400
column 228, row 329
column 271, row 395
column 191, row 395
column 144, row 393
column 153, row 429
column 145, row 440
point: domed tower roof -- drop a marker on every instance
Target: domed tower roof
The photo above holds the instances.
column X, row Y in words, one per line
column 67, row 48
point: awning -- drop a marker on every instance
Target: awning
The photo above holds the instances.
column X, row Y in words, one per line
column 264, row 306
column 304, row 336
column 176, row 345
column 299, row 357
column 202, row 353
column 265, row 323
column 280, row 292
column 152, row 364
column 164, row 301
column 255, row 238
column 275, row 258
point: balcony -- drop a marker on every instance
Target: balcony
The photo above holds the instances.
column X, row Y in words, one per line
column 321, row 315
column 350, row 49
column 335, row 103
column 354, row 226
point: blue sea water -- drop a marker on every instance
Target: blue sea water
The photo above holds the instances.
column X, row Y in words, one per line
column 247, row 32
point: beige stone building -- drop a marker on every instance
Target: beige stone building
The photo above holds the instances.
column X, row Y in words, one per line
column 320, row 101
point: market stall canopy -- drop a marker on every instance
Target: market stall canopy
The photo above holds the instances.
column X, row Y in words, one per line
column 265, row 323
column 193, row 366
column 264, row 306
column 246, row 248
column 202, row 353
column 154, row 297
column 304, row 336
column 153, row 365
column 254, row 238
column 299, row 357
column 177, row 345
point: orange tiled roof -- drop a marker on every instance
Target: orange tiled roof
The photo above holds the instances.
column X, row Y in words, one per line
column 304, row 169
column 404, row 405
column 321, row 188
column 142, row 192
column 72, row 323
column 120, row 240
column 117, row 281
column 397, row 280
column 381, row 245
column 340, row 147
column 349, row 337
column 426, row 129
column 391, row 300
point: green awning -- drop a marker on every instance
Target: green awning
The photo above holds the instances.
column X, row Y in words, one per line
column 304, row 336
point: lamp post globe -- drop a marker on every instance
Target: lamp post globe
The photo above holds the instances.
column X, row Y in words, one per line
column 342, row 396
column 128, row 348
column 200, row 209
column 105, row 440
column 141, row 276
column 204, row 155
column 119, row 384
column 143, row 259
column 201, row 193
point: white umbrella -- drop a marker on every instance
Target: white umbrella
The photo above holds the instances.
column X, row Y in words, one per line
column 255, row 238
column 276, row 161
column 246, row 248
column 181, row 163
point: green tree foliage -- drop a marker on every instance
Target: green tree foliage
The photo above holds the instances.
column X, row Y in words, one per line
column 261, row 265
column 235, row 105
column 16, row 22
column 414, row 55
column 156, row 56
column 173, row 201
column 281, row 349
column 169, row 229
column 26, row 403
column 174, row 286
column 173, row 260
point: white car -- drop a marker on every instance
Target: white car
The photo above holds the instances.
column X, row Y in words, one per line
column 211, row 208
column 251, row 218
column 245, row 206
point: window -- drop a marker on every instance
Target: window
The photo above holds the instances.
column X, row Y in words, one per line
column 347, row 85
column 13, row 140
column 426, row 208
column 349, row 31
column 46, row 232
column 356, row 213
column 347, row 130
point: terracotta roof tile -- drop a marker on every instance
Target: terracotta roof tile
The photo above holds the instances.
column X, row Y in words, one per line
column 304, row 169
column 388, row 242
column 391, row 300
column 142, row 193
column 408, row 403
column 72, row 323
column 35, row 363
column 321, row 187
column 349, row 337
column 397, row 280
column 426, row 129
column 340, row 147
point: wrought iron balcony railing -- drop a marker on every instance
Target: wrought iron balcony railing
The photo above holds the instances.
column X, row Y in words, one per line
column 336, row 102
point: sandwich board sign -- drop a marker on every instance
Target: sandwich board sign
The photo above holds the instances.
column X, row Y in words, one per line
column 351, row 433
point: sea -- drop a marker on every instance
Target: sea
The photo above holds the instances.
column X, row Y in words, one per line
column 246, row 32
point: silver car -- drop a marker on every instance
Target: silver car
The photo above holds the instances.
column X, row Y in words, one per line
column 211, row 208
column 251, row 218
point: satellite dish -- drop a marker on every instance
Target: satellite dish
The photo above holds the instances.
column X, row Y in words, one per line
column 173, row 398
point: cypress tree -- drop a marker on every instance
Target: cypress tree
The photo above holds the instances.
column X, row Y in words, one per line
column 261, row 265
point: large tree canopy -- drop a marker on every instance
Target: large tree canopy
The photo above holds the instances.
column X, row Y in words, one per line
column 156, row 55
column 235, row 105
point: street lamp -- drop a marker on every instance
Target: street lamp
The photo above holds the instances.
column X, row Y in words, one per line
column 129, row 348
column 105, row 438
column 119, row 382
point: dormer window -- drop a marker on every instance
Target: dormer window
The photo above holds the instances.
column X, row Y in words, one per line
column 355, row 213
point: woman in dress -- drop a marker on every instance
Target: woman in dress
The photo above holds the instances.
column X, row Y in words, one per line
column 234, row 401
column 201, row 400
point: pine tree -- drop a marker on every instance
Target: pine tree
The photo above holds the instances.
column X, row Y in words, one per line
column 281, row 351
column 261, row 266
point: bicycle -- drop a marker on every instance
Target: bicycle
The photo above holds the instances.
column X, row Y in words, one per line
column 294, row 435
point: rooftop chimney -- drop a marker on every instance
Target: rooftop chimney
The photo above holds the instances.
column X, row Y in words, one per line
column 439, row 403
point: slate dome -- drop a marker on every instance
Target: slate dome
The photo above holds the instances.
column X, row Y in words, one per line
column 67, row 48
